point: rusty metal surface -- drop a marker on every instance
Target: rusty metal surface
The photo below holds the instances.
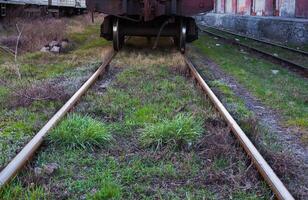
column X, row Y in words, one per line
column 301, row 8
column 150, row 9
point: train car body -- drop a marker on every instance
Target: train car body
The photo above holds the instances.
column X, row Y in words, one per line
column 55, row 3
column 42, row 5
column 150, row 18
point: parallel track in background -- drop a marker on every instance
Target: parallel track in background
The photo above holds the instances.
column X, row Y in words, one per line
column 291, row 64
column 7, row 51
column 25, row 155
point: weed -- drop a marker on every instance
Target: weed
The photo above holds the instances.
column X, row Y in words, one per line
column 109, row 190
column 236, row 104
column 221, row 163
column 285, row 91
column 80, row 131
column 180, row 131
column 245, row 196
column 16, row 191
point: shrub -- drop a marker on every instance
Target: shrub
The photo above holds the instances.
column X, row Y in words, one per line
column 80, row 131
column 180, row 131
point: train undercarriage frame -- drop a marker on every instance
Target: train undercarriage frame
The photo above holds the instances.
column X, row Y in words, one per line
column 181, row 29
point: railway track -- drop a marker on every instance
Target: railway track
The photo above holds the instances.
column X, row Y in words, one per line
column 295, row 60
column 7, row 50
column 31, row 148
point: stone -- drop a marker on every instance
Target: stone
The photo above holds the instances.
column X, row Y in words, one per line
column 64, row 44
column 275, row 71
column 50, row 168
column 38, row 171
column 45, row 49
column 55, row 49
column 53, row 43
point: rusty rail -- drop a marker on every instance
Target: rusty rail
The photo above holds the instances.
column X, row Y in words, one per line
column 263, row 167
column 29, row 150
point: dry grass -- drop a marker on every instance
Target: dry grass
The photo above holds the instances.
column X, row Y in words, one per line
column 80, row 22
column 165, row 55
column 46, row 91
column 40, row 31
column 36, row 34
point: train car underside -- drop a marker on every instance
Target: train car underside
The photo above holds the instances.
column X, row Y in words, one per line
column 181, row 29
column 150, row 18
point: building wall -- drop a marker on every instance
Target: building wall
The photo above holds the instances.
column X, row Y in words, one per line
column 283, row 8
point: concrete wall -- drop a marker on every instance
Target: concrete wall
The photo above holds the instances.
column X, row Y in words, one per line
column 286, row 30
column 284, row 8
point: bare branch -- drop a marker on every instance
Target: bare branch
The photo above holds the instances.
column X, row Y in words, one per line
column 18, row 39
column 16, row 49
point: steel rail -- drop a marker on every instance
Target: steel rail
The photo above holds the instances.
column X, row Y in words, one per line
column 29, row 150
column 7, row 50
column 263, row 167
column 259, row 40
column 288, row 62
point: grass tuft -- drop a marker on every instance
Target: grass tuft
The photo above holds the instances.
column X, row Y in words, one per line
column 80, row 131
column 180, row 131
column 109, row 190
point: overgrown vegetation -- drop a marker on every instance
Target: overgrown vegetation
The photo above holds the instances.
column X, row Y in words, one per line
column 47, row 79
column 258, row 77
column 262, row 81
column 148, row 102
column 80, row 131
column 181, row 131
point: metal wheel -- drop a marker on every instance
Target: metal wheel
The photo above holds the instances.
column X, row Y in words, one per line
column 182, row 39
column 118, row 39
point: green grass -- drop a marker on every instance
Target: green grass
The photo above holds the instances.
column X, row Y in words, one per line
column 18, row 124
column 143, row 96
column 236, row 104
column 80, row 132
column 285, row 91
column 277, row 51
column 109, row 190
column 17, row 191
column 221, row 163
column 183, row 130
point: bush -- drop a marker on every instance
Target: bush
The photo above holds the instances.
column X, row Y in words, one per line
column 80, row 131
column 182, row 130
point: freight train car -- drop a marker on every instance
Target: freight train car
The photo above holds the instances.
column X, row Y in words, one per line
column 43, row 6
column 150, row 18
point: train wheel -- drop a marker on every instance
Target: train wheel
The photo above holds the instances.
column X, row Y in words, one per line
column 118, row 39
column 182, row 39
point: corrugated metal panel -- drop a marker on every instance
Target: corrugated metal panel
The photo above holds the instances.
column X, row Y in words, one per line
column 228, row 6
column 58, row 3
column 287, row 8
column 301, row 8
column 244, row 7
